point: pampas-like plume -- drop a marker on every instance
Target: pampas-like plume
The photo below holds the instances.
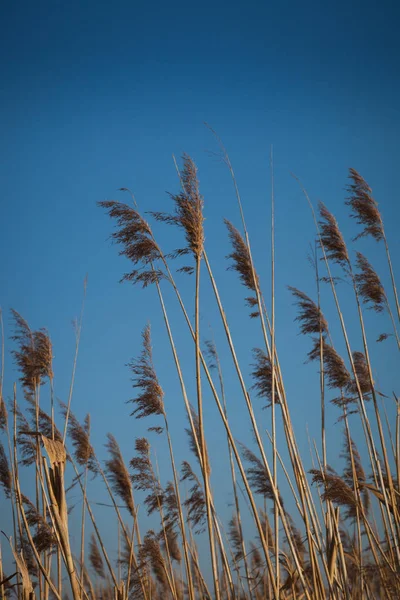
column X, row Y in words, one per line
column 173, row 545
column 363, row 206
column 257, row 474
column 144, row 478
column 188, row 210
column 80, row 437
column 150, row 399
column 136, row 238
column 336, row 490
column 150, row 553
column 5, row 473
column 3, row 414
column 332, row 239
column 195, row 503
column 235, row 538
column 241, row 258
column 119, row 475
column 310, row 316
column 335, row 370
column 34, row 354
column 44, row 538
column 262, row 375
column 171, row 506
column 95, row 558
column 361, row 368
column 25, row 444
column 353, row 458
column 369, row 285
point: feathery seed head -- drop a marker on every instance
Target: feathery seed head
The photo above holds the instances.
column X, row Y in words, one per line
column 332, row 239
column 363, row 207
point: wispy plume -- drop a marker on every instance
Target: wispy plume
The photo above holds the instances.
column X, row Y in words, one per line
column 310, row 315
column 188, row 213
column 195, row 503
column 332, row 239
column 150, row 399
column 369, row 285
column 257, row 474
column 138, row 245
column 34, row 354
column 144, row 478
column 119, row 475
column 363, row 207
column 95, row 558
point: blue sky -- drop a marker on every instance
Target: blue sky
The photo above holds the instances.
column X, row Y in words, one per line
column 96, row 96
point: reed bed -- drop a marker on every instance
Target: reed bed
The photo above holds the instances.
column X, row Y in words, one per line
column 329, row 534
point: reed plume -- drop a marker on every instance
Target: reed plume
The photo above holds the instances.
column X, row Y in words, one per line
column 95, row 558
column 369, row 285
column 195, row 503
column 80, row 437
column 119, row 475
column 150, row 400
column 188, row 214
column 262, row 376
column 310, row 315
column 150, row 554
column 138, row 245
column 5, row 473
column 363, row 207
column 3, row 414
column 242, row 264
column 144, row 478
column 44, row 537
column 257, row 474
column 34, row 355
column 332, row 239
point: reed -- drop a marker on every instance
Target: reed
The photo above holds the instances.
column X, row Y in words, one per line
column 334, row 532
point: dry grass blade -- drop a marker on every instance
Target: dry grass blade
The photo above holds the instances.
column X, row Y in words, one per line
column 310, row 315
column 369, row 285
column 363, row 206
column 119, row 475
column 95, row 558
column 150, row 399
column 332, row 239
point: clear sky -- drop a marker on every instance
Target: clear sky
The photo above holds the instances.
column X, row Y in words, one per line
column 99, row 95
